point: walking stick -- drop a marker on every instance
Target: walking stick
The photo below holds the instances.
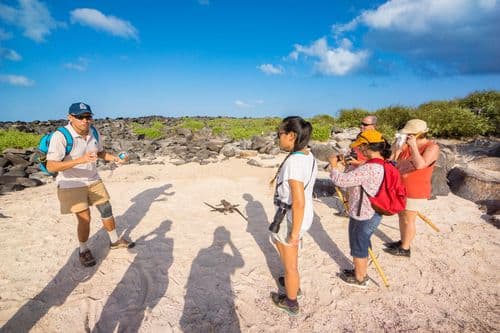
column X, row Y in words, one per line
column 377, row 266
column 341, row 198
column 370, row 252
column 429, row 222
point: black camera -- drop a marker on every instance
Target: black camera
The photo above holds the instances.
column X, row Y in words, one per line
column 279, row 215
column 278, row 218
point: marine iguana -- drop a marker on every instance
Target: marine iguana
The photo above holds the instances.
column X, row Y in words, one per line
column 227, row 207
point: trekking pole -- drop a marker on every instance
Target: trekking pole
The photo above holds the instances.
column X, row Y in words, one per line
column 377, row 266
column 370, row 252
column 429, row 222
column 341, row 198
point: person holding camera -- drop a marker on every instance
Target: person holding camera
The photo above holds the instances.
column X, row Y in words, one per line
column 415, row 156
column 363, row 219
column 356, row 158
column 294, row 205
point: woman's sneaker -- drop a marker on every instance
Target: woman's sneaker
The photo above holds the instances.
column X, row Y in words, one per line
column 398, row 251
column 351, row 280
column 281, row 281
column 87, row 259
column 281, row 302
column 347, row 271
column 122, row 243
column 392, row 244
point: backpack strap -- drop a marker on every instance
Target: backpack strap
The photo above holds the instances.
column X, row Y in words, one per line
column 374, row 161
column 68, row 137
column 95, row 133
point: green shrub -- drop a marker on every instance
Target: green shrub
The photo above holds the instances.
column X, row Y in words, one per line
column 322, row 126
column 192, row 124
column 387, row 131
column 393, row 117
column 154, row 131
column 485, row 104
column 17, row 139
column 448, row 119
column 243, row 128
column 351, row 117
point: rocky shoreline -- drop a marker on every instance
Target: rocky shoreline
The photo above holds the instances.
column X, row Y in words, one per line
column 470, row 169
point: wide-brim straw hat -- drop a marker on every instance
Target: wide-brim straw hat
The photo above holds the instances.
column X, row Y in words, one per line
column 414, row 126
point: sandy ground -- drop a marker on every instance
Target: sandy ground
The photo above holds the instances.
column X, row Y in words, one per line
column 194, row 270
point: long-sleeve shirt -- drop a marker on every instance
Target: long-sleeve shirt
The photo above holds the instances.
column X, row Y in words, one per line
column 369, row 176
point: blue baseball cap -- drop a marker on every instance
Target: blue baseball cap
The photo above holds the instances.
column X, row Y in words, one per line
column 79, row 108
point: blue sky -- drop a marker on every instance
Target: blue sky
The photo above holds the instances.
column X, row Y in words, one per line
column 241, row 58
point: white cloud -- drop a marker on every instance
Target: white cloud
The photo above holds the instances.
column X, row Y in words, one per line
column 16, row 80
column 80, row 65
column 454, row 35
column 9, row 54
column 270, row 69
column 332, row 61
column 98, row 21
column 32, row 16
column 243, row 105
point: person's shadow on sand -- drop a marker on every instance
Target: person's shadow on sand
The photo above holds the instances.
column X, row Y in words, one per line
column 209, row 301
column 143, row 284
column 258, row 227
column 72, row 273
column 327, row 245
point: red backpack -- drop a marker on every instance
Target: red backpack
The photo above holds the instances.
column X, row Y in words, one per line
column 391, row 196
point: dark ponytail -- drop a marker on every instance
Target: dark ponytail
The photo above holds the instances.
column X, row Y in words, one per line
column 301, row 128
column 384, row 148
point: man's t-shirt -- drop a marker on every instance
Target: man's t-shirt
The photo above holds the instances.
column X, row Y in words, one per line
column 302, row 168
column 82, row 174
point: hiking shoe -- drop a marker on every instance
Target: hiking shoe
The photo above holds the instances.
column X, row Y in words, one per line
column 281, row 281
column 87, row 259
column 398, row 251
column 121, row 243
column 351, row 280
column 280, row 301
column 347, row 271
column 392, row 244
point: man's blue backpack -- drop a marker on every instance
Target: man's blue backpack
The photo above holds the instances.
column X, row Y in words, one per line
column 43, row 147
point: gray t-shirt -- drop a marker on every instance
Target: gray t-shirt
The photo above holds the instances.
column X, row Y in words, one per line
column 81, row 174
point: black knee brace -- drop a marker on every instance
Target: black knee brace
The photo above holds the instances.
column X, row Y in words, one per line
column 105, row 210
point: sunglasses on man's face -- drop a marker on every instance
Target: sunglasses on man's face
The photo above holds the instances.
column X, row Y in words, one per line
column 365, row 124
column 81, row 117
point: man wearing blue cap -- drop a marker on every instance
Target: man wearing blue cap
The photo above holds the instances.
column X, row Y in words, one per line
column 78, row 183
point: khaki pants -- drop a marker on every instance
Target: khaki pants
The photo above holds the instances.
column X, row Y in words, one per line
column 78, row 199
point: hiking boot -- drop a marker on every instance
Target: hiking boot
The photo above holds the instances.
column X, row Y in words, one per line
column 398, row 251
column 280, row 301
column 281, row 281
column 351, row 280
column 121, row 243
column 392, row 244
column 87, row 259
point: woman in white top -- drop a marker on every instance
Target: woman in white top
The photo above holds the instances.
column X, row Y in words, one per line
column 294, row 208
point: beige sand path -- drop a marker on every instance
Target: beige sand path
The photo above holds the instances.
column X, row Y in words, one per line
column 202, row 271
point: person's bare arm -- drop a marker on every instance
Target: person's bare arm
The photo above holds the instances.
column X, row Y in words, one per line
column 56, row 166
column 298, row 205
column 429, row 156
